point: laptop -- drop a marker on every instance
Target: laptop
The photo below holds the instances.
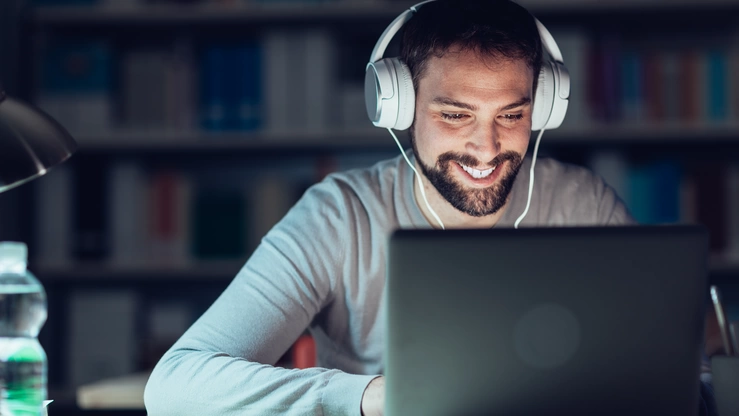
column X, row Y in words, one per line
column 545, row 321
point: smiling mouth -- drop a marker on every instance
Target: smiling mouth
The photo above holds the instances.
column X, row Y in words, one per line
column 477, row 174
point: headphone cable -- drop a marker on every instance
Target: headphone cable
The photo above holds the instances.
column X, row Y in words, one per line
column 531, row 179
column 420, row 184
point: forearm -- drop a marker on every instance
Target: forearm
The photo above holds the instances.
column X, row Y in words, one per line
column 203, row 383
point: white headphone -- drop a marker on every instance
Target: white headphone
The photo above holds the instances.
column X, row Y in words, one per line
column 391, row 101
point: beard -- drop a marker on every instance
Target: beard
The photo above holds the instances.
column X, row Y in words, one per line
column 472, row 201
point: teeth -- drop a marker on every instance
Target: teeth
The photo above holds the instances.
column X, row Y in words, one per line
column 477, row 174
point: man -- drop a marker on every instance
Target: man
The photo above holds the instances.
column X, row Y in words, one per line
column 323, row 266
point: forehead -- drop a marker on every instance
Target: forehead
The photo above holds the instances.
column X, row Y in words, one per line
column 461, row 70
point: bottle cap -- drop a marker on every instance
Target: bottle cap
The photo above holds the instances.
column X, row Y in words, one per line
column 13, row 256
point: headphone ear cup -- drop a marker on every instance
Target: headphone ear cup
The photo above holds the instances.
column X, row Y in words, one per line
column 389, row 95
column 561, row 89
column 544, row 97
column 380, row 96
column 406, row 95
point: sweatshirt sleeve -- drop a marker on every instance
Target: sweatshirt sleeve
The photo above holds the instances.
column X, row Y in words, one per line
column 224, row 363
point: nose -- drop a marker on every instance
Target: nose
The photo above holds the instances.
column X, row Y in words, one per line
column 484, row 143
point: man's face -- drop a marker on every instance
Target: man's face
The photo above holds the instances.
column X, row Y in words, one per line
column 472, row 127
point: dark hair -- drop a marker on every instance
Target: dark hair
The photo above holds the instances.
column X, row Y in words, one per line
column 492, row 28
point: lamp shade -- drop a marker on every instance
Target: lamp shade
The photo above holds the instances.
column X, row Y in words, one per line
column 31, row 142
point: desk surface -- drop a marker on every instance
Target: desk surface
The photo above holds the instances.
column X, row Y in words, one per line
column 125, row 392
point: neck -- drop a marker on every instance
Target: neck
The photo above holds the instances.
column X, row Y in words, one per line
column 450, row 216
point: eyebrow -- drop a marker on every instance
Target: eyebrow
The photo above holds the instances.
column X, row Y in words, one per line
column 459, row 104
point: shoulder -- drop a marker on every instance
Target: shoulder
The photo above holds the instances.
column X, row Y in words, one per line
column 370, row 178
column 565, row 180
column 370, row 184
column 576, row 195
column 347, row 192
column 566, row 176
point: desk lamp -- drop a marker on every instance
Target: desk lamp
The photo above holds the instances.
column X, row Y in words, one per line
column 31, row 142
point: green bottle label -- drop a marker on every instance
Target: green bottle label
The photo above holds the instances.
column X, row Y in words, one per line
column 25, row 382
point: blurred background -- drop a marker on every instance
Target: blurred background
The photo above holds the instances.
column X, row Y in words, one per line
column 200, row 122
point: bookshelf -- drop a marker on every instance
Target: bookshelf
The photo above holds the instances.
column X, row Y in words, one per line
column 163, row 57
column 195, row 142
column 669, row 136
column 333, row 10
column 234, row 13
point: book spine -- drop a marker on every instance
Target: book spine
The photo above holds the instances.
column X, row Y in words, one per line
column 319, row 84
column 54, row 194
column 716, row 81
column 276, row 72
column 91, row 222
column 127, row 202
column 213, row 87
column 102, row 334
column 250, row 110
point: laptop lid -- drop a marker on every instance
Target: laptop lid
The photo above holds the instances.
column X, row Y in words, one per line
column 542, row 321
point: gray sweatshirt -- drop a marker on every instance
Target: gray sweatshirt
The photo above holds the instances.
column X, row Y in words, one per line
column 322, row 267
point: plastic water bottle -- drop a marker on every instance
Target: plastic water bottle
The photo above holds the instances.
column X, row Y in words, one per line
column 22, row 314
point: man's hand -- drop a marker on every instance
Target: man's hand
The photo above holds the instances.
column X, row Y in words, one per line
column 373, row 399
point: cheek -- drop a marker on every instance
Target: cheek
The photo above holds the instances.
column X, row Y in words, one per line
column 517, row 139
column 428, row 138
column 522, row 142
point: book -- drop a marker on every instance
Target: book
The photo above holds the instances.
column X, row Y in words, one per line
column 213, row 89
column 219, row 224
column 716, row 81
column 168, row 219
column 318, row 79
column 672, row 86
column 166, row 321
column 101, row 334
column 271, row 198
column 76, row 83
column 90, row 217
column 655, row 86
column 145, row 89
column 632, row 108
column 352, row 107
column 666, row 189
column 613, row 167
column 711, row 202
column 231, row 91
column 181, row 87
column 53, row 228
column 250, row 100
column 612, row 80
column 690, row 92
column 127, row 207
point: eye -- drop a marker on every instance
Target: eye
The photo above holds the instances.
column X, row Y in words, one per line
column 512, row 118
column 453, row 116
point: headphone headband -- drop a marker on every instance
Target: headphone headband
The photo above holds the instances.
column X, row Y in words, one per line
column 547, row 40
column 392, row 29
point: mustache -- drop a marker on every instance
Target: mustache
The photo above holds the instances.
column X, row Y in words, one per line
column 469, row 160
